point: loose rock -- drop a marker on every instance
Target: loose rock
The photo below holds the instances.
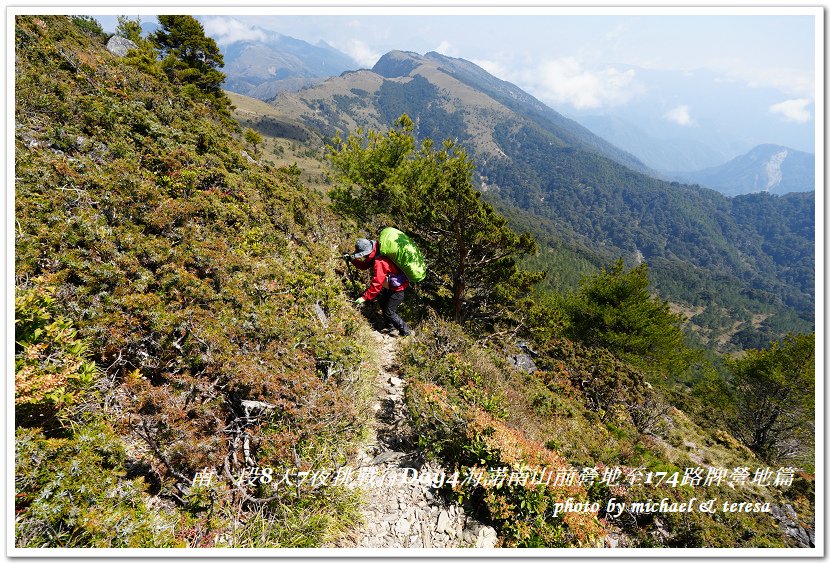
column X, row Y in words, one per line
column 407, row 514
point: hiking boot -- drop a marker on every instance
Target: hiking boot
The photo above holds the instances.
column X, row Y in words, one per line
column 390, row 331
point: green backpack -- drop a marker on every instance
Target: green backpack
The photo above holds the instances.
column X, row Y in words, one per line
column 399, row 248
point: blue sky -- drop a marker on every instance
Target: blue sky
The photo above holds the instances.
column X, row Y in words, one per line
column 566, row 59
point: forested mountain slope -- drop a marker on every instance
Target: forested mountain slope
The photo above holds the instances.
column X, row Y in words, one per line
column 585, row 200
column 191, row 368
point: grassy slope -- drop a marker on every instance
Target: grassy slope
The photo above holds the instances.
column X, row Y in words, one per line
column 471, row 409
column 199, row 280
column 196, row 276
column 295, row 145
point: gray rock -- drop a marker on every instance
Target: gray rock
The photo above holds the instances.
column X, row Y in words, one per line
column 385, row 457
column 522, row 362
column 119, row 46
column 442, row 527
column 396, row 381
column 31, row 142
column 469, row 536
column 411, row 514
column 787, row 518
column 487, row 538
column 248, row 157
column 426, row 534
column 402, row 526
column 321, row 315
column 526, row 347
column 390, row 517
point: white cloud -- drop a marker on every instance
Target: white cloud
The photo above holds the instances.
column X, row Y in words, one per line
column 361, row 52
column 228, row 30
column 566, row 81
column 680, row 115
column 793, row 110
column 446, row 48
column 793, row 82
column 493, row 67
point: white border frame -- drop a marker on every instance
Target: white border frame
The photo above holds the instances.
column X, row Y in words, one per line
column 374, row 7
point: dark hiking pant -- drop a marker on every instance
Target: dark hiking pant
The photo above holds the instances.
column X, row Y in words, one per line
column 389, row 301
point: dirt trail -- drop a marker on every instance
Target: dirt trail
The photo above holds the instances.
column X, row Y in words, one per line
column 399, row 512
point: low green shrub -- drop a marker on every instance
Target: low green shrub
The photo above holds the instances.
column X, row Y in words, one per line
column 460, row 416
column 51, row 361
column 72, row 492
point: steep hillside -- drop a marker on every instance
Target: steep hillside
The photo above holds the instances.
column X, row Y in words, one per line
column 526, row 105
column 285, row 141
column 541, row 169
column 203, row 287
column 191, row 370
column 766, row 168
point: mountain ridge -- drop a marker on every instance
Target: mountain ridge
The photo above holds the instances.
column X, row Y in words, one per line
column 230, row 382
column 263, row 68
column 507, row 94
column 766, row 168
column 534, row 165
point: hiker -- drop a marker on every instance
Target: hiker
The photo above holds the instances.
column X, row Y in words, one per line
column 389, row 284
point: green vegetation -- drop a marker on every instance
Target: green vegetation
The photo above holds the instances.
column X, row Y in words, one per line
column 420, row 97
column 582, row 411
column 775, row 399
column 747, row 259
column 191, row 59
column 614, row 310
column 51, row 363
column 191, row 279
column 748, row 255
column 459, row 399
column 472, row 253
column 253, row 138
column 89, row 25
column 182, row 324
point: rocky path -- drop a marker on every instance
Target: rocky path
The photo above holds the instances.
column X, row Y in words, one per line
column 400, row 512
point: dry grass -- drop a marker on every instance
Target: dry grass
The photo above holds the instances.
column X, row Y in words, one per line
column 302, row 148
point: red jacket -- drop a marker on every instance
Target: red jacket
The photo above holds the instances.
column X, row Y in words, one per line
column 382, row 269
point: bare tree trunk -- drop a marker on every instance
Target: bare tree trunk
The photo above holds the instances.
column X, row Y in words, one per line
column 458, row 290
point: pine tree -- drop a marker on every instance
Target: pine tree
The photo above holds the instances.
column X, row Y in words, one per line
column 775, row 398
column 144, row 56
column 253, row 138
column 383, row 179
column 192, row 59
column 614, row 309
column 129, row 29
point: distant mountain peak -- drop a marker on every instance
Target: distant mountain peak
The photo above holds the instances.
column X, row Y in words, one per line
column 765, row 168
column 395, row 64
column 773, row 169
column 280, row 63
